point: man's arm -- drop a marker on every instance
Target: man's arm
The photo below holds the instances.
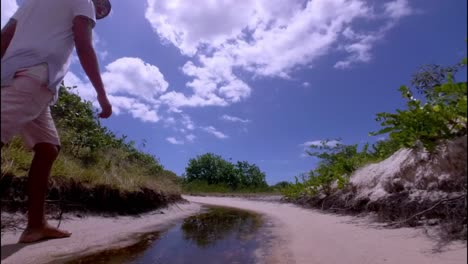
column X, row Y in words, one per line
column 82, row 31
column 8, row 32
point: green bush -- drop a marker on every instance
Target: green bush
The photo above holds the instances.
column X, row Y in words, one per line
column 337, row 162
column 214, row 170
column 91, row 153
column 441, row 114
column 280, row 185
column 85, row 139
column 198, row 186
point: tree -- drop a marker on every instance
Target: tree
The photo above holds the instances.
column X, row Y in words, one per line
column 430, row 76
column 281, row 185
column 210, row 168
column 213, row 169
column 250, row 175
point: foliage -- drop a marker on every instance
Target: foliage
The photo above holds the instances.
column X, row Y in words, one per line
column 427, row 77
column 211, row 168
column 85, row 139
column 442, row 114
column 384, row 149
column 198, row 186
column 249, row 176
column 91, row 153
column 281, row 185
column 337, row 162
column 214, row 170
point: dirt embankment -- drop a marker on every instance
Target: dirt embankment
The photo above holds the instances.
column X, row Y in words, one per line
column 66, row 195
column 410, row 188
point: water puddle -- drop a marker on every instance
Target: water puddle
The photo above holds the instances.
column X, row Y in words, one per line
column 219, row 235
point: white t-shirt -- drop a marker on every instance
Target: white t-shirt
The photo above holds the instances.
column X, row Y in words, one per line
column 44, row 35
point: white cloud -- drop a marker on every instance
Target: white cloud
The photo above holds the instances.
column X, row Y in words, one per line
column 103, row 54
column 190, row 137
column 133, row 86
column 267, row 38
column 197, row 21
column 187, row 122
column 234, row 119
column 170, row 121
column 74, row 58
column 175, row 100
column 215, row 132
column 360, row 51
column 174, row 141
column 398, row 9
column 143, row 112
column 182, row 124
column 306, row 84
column 308, row 144
column 83, row 88
column 134, row 77
column 360, row 47
column 331, row 143
column 9, row 7
column 99, row 44
column 214, row 84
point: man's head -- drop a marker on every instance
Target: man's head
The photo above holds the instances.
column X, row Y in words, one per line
column 103, row 8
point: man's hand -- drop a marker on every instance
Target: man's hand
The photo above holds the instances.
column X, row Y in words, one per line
column 105, row 106
column 82, row 32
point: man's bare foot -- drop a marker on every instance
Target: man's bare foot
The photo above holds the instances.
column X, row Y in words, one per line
column 47, row 232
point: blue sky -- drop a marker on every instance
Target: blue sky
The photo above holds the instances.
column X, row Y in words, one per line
column 255, row 80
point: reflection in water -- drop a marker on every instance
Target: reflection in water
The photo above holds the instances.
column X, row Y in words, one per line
column 218, row 224
column 221, row 235
column 121, row 255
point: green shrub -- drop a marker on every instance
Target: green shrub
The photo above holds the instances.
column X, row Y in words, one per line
column 441, row 114
column 214, row 170
column 91, row 153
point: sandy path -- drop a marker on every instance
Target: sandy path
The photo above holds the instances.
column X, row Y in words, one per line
column 91, row 234
column 302, row 237
column 310, row 237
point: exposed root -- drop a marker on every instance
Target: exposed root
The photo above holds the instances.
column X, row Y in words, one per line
column 427, row 210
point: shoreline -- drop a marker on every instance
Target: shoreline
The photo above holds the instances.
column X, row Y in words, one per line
column 294, row 235
column 305, row 236
column 91, row 234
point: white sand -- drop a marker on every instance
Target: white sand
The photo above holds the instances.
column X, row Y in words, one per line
column 303, row 236
column 91, row 234
column 310, row 237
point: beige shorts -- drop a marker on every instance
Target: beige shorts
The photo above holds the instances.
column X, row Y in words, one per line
column 25, row 108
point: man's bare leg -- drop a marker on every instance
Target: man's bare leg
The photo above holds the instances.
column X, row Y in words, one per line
column 38, row 228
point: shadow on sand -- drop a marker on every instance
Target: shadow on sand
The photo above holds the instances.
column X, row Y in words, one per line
column 10, row 249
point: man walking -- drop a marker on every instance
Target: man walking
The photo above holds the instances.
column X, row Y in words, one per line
column 36, row 46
